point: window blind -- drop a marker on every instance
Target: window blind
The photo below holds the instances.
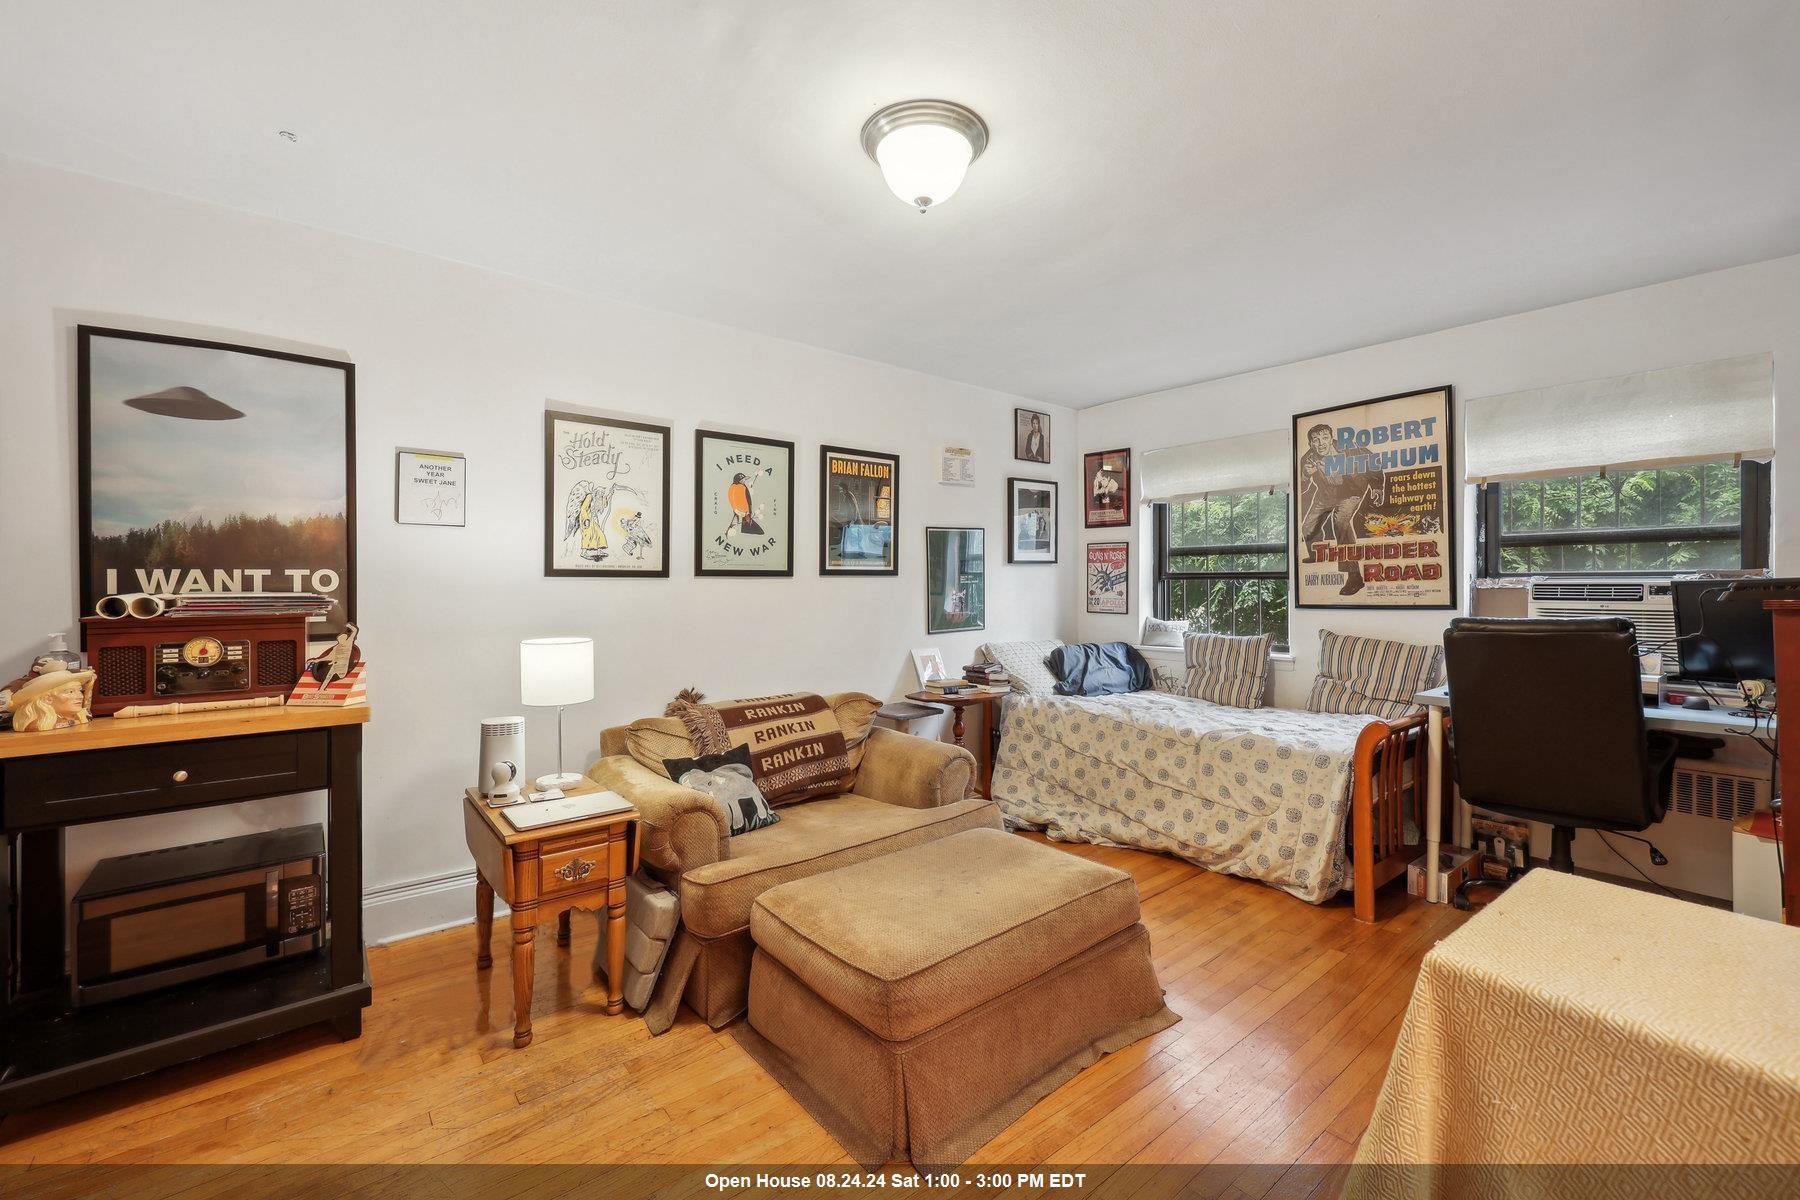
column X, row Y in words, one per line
column 1238, row 464
column 1698, row 413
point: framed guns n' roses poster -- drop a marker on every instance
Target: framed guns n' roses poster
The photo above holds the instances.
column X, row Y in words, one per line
column 1375, row 520
column 743, row 505
column 606, row 496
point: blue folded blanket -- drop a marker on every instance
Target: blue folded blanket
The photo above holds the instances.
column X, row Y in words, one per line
column 1096, row 669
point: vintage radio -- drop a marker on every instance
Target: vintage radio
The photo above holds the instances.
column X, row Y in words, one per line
column 146, row 921
column 156, row 660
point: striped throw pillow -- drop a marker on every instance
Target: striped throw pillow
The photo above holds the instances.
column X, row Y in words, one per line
column 1227, row 670
column 1373, row 676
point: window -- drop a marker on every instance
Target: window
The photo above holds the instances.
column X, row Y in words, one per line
column 1221, row 563
column 1657, row 521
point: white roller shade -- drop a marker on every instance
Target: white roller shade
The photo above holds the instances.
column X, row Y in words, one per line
column 1698, row 413
column 1249, row 463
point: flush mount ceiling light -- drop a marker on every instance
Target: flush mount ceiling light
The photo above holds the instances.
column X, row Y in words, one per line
column 924, row 147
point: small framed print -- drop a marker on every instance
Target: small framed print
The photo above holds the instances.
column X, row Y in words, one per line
column 859, row 505
column 429, row 487
column 1031, row 532
column 606, row 496
column 928, row 664
column 1031, row 435
column 1106, row 499
column 955, row 579
column 1109, row 577
column 743, row 505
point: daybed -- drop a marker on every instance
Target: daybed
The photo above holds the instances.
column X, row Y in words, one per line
column 1310, row 801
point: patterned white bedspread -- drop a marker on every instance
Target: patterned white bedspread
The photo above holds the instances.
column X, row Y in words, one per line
column 1260, row 793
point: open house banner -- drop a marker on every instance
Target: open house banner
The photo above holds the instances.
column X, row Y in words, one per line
column 1374, row 527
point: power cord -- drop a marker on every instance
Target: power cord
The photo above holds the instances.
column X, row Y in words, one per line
column 1635, row 868
column 1657, row 857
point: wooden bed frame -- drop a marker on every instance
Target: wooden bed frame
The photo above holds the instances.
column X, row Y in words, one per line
column 1388, row 781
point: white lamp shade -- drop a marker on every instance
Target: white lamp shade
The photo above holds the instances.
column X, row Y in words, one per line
column 924, row 164
column 555, row 671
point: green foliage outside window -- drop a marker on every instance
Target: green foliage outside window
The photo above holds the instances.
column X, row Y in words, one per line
column 1677, row 518
column 1225, row 564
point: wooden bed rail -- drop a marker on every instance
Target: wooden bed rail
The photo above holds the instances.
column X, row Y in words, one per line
column 1388, row 780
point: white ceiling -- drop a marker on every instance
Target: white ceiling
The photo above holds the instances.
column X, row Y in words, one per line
column 1174, row 191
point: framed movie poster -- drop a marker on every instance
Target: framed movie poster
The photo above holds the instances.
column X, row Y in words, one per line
column 743, row 505
column 209, row 467
column 1108, row 577
column 1031, row 435
column 1031, row 521
column 429, row 486
column 606, row 497
column 1375, row 504
column 955, row 579
column 859, row 498
column 1106, row 501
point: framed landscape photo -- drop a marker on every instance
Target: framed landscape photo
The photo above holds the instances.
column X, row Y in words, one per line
column 1375, row 504
column 743, row 505
column 859, row 504
column 1108, row 577
column 1106, row 489
column 606, row 497
column 1031, row 435
column 955, row 579
column 207, row 466
column 1031, row 533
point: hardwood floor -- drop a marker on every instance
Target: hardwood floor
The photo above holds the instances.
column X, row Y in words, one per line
column 1289, row 1012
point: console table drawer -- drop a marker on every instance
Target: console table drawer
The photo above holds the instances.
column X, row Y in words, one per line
column 98, row 785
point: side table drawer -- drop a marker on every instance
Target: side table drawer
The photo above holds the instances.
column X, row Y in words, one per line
column 586, row 863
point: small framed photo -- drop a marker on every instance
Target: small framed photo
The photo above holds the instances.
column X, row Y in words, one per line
column 429, row 487
column 1106, row 476
column 928, row 665
column 955, row 580
column 1031, row 521
column 859, row 504
column 1031, row 436
column 1109, row 577
column 743, row 505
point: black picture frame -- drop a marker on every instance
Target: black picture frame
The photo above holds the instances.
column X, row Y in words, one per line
column 87, row 592
column 1013, row 484
column 1449, row 487
column 826, row 455
column 1020, row 416
column 932, row 560
column 701, row 437
column 553, row 511
column 1091, row 464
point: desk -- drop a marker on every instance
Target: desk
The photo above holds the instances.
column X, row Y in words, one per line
column 1713, row 722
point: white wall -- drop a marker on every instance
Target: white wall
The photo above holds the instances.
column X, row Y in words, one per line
column 455, row 358
column 1722, row 314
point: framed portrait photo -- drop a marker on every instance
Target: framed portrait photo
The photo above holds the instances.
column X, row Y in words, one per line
column 1031, row 532
column 606, row 496
column 1031, row 435
column 207, row 466
column 743, row 505
column 1108, row 577
column 1374, row 502
column 859, row 505
column 955, row 579
column 1106, row 489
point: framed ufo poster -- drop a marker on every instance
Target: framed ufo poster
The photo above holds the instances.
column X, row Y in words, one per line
column 209, row 467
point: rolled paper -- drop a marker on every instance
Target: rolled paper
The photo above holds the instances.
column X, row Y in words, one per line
column 131, row 604
column 144, row 605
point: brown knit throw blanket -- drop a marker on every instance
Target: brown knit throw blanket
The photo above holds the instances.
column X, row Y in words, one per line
column 797, row 749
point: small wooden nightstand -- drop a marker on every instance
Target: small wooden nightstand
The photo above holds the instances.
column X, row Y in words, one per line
column 578, row 864
column 990, row 704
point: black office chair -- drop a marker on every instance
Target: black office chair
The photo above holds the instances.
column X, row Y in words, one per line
column 1547, row 724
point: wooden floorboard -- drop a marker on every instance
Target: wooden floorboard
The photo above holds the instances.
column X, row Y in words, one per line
column 1289, row 1012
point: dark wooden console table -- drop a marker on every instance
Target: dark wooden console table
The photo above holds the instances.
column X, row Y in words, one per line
column 115, row 768
column 1786, row 617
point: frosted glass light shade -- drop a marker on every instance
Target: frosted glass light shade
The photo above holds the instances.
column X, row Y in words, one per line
column 924, row 164
column 555, row 671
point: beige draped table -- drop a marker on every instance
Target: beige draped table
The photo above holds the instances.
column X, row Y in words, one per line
column 1579, row 1022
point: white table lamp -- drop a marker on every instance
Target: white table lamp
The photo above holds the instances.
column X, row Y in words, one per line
column 556, row 672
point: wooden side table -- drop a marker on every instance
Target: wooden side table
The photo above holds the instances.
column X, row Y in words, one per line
column 984, row 761
column 577, row 864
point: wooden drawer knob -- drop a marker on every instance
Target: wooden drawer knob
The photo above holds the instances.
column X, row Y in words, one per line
column 181, row 777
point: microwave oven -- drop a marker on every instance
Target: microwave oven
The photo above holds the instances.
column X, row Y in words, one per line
column 162, row 917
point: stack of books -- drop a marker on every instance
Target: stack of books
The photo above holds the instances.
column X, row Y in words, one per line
column 943, row 686
column 239, row 604
column 988, row 675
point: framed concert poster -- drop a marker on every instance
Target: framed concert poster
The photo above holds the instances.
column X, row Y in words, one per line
column 743, row 505
column 1375, row 504
column 211, row 467
column 1031, row 521
column 955, row 579
column 1108, row 577
column 606, row 497
column 859, row 504
column 1106, row 500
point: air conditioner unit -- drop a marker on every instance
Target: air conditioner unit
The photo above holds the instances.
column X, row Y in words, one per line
column 1648, row 604
column 1719, row 790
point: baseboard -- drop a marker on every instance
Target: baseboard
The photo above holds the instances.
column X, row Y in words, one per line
column 414, row 906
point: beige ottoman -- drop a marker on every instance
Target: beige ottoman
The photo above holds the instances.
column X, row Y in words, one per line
column 919, row 1003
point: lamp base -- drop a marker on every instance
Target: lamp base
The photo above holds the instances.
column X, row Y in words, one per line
column 562, row 779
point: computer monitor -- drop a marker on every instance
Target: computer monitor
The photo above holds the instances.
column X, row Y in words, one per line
column 1723, row 632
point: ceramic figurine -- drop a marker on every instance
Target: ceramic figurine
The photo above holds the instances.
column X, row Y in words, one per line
column 52, row 700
